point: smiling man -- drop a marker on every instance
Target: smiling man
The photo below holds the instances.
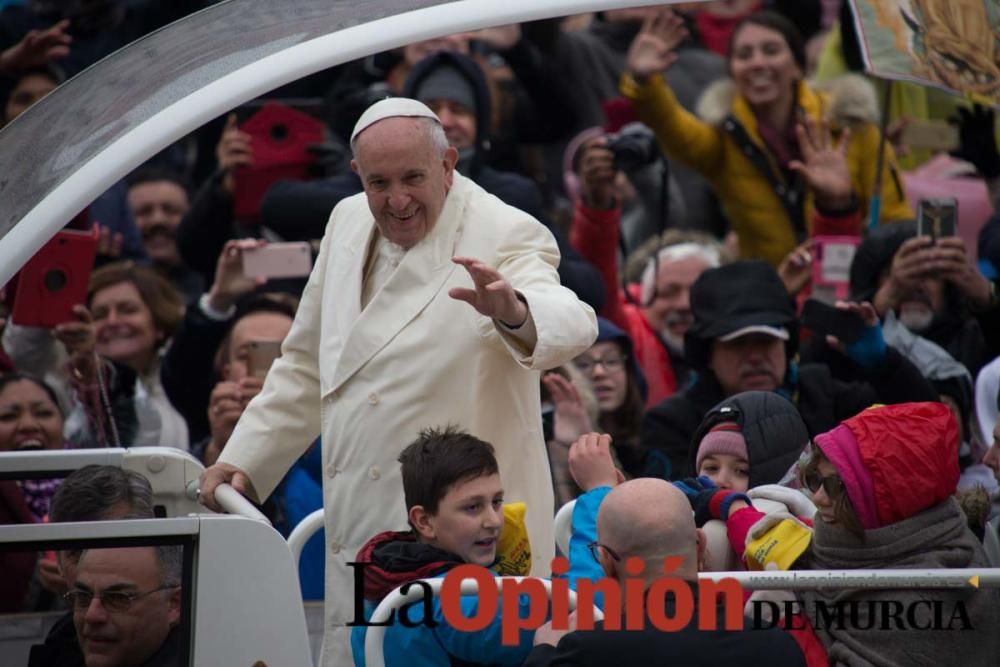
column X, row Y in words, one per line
column 158, row 200
column 745, row 338
column 432, row 302
column 126, row 605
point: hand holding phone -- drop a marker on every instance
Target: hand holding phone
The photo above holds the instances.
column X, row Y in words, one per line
column 826, row 320
column 278, row 260
column 55, row 280
column 261, row 356
column 937, row 218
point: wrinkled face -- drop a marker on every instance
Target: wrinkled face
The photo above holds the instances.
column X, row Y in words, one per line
column 406, row 179
column 29, row 90
column 255, row 326
column 670, row 311
column 28, row 418
column 992, row 458
column 469, row 520
column 604, row 365
column 124, row 326
column 114, row 638
column 157, row 208
column 458, row 120
column 754, row 362
column 763, row 66
column 727, row 471
column 918, row 306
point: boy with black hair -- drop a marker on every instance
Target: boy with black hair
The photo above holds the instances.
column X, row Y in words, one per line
column 454, row 501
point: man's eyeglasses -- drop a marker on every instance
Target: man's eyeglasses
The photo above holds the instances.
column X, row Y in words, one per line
column 595, row 546
column 832, row 484
column 111, row 600
column 611, row 363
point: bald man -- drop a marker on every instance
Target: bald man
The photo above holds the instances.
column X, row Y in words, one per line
column 651, row 520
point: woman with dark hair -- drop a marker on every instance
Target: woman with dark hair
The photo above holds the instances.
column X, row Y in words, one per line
column 27, row 87
column 783, row 158
column 619, row 388
column 30, row 419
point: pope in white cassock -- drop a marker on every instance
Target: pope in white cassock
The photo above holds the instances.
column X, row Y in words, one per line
column 431, row 302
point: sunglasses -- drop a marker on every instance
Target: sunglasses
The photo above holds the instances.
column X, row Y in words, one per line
column 832, row 484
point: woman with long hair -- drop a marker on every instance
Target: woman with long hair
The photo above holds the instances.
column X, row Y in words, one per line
column 776, row 150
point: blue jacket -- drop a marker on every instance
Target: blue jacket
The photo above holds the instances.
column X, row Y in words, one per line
column 443, row 645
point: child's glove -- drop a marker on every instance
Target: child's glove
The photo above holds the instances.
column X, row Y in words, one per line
column 707, row 500
column 796, row 501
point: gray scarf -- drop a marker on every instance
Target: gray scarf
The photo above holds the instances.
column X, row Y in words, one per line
column 935, row 538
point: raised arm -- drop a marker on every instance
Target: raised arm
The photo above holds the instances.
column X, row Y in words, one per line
column 681, row 135
column 284, row 419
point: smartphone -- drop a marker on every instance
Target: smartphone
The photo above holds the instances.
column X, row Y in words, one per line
column 261, row 356
column 827, row 320
column 278, row 260
column 53, row 281
column 937, row 218
column 934, row 136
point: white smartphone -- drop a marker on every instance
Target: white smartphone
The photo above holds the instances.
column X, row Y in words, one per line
column 278, row 260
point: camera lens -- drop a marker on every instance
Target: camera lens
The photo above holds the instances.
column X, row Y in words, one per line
column 55, row 280
column 279, row 132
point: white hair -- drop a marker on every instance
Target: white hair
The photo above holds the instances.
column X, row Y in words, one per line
column 432, row 128
column 706, row 252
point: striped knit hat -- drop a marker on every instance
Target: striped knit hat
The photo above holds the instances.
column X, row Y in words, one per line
column 724, row 438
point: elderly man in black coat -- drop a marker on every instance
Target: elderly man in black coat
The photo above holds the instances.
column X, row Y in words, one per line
column 745, row 338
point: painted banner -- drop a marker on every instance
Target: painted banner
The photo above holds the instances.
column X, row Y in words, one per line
column 948, row 44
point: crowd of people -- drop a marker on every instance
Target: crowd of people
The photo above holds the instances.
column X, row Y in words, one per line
column 577, row 259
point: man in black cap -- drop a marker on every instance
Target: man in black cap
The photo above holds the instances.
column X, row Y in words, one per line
column 745, row 338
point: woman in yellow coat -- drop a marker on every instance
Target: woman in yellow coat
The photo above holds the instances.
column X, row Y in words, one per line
column 775, row 150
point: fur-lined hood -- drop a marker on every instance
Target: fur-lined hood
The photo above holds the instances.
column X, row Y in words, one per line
column 848, row 100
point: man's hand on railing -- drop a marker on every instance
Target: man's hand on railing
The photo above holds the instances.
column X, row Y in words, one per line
column 223, row 473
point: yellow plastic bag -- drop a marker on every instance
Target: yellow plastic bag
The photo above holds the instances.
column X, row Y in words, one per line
column 514, row 547
column 781, row 545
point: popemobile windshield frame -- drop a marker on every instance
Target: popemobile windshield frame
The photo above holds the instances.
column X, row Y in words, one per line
column 74, row 144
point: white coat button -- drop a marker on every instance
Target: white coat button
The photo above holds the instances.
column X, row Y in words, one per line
column 331, row 471
column 373, row 473
column 373, row 399
column 334, row 548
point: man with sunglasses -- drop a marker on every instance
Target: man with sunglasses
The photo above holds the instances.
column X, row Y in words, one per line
column 127, row 605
